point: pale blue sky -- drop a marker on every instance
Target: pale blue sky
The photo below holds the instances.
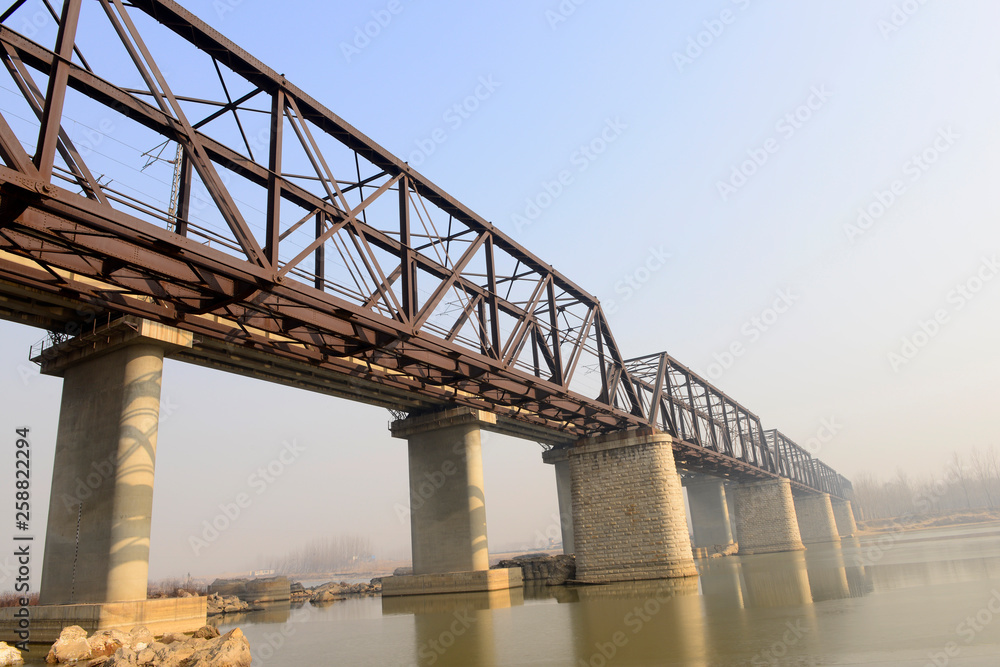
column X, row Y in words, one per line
column 886, row 96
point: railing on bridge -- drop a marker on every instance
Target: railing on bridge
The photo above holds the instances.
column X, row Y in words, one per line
column 680, row 402
column 795, row 462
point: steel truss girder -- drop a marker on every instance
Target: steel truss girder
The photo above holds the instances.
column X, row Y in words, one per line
column 690, row 408
column 126, row 256
column 390, row 333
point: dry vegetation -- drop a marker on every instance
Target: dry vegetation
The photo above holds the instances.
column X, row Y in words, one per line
column 14, row 599
column 966, row 491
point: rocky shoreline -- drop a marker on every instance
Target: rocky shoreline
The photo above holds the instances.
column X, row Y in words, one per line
column 139, row 648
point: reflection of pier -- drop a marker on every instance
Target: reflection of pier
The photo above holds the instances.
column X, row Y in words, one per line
column 827, row 574
column 454, row 629
column 776, row 580
column 633, row 622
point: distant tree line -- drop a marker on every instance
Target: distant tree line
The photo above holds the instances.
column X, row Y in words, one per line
column 325, row 554
column 970, row 481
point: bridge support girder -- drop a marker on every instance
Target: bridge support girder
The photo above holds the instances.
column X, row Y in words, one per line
column 559, row 459
column 707, row 500
column 765, row 517
column 628, row 508
column 96, row 561
column 815, row 517
column 843, row 513
column 447, row 506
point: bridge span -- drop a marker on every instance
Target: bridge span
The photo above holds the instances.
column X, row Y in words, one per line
column 357, row 277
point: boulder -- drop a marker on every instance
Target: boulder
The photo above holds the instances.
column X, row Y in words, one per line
column 550, row 570
column 71, row 646
column 206, row 632
column 9, row 655
column 123, row 657
column 173, row 637
column 230, row 650
column 402, row 571
column 140, row 637
column 225, row 604
column 326, row 596
column 173, row 655
column 107, row 642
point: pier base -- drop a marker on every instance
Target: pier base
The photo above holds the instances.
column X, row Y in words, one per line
column 765, row 518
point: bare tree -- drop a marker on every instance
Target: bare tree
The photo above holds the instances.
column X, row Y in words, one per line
column 960, row 472
column 983, row 474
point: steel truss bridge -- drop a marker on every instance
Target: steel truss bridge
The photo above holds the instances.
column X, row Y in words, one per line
column 300, row 251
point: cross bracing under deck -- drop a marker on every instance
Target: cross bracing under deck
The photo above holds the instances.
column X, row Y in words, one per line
column 219, row 198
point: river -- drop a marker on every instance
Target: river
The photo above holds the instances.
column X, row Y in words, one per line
column 917, row 598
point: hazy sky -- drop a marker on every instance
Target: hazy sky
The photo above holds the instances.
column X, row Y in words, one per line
column 811, row 183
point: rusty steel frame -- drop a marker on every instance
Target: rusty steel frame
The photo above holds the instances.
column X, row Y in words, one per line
column 65, row 235
column 680, row 402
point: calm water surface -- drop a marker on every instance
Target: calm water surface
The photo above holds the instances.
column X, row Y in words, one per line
column 920, row 598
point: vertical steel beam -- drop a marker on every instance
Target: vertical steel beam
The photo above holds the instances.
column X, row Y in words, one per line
column 408, row 267
column 654, row 401
column 55, row 95
column 319, row 281
column 491, row 287
column 273, row 233
column 183, row 195
column 556, row 338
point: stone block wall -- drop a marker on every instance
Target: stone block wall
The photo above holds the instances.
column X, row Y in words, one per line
column 815, row 515
column 628, row 509
column 765, row 517
column 843, row 513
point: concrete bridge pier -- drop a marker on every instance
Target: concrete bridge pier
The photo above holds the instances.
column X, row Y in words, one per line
column 815, row 516
column 96, row 561
column 628, row 509
column 843, row 513
column 709, row 512
column 765, row 517
column 447, row 507
column 559, row 459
